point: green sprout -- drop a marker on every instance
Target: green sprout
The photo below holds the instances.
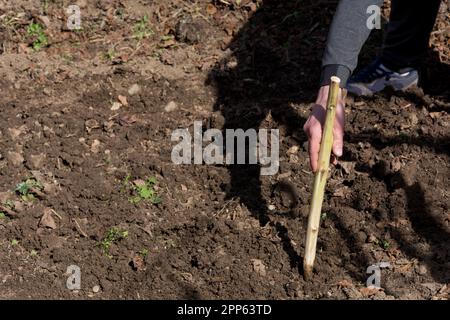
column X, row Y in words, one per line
column 33, row 253
column 113, row 235
column 14, row 242
column 384, row 244
column 146, row 192
column 110, row 55
column 143, row 252
column 125, row 183
column 36, row 31
column 26, row 188
column 141, row 29
column 45, row 6
column 9, row 204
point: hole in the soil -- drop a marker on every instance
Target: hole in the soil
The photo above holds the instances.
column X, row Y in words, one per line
column 348, row 183
column 195, row 263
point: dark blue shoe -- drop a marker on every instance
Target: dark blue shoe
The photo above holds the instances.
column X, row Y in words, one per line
column 375, row 77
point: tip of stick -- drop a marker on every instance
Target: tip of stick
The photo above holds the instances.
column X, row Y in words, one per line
column 335, row 79
column 307, row 272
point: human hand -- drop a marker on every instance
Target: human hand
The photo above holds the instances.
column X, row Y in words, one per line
column 314, row 124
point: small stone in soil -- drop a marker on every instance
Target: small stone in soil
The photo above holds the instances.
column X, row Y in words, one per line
column 134, row 89
column 171, row 106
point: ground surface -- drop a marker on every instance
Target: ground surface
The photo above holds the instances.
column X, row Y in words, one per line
column 219, row 231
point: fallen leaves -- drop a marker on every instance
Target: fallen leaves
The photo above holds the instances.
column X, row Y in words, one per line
column 211, row 9
column 435, row 115
column 138, row 263
column 127, row 120
column 344, row 284
column 443, row 293
column 404, row 266
column 47, row 220
column 370, row 291
column 78, row 226
column 123, row 100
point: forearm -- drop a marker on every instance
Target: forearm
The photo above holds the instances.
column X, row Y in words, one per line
column 347, row 34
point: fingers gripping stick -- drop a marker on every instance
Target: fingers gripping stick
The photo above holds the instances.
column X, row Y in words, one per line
column 320, row 179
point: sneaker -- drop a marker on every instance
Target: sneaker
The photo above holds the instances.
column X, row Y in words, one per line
column 375, row 77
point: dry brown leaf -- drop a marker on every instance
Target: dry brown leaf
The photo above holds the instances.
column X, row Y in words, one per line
column 211, row 9
column 139, row 183
column 345, row 283
column 127, row 120
column 434, row 115
column 369, row 291
column 342, row 192
column 47, row 220
column 123, row 100
column 138, row 263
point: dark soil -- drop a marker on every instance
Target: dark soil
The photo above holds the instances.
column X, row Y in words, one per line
column 220, row 231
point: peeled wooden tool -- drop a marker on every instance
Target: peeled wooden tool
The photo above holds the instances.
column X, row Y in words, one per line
column 320, row 179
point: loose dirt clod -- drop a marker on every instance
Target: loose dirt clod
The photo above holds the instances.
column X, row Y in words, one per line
column 259, row 267
column 15, row 158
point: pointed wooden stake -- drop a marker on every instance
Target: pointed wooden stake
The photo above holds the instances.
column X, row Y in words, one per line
column 320, row 179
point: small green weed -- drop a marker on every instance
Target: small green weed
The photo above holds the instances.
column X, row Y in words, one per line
column 144, row 190
column 113, row 235
column 143, row 252
column 142, row 29
column 26, row 188
column 110, row 55
column 384, row 244
column 35, row 31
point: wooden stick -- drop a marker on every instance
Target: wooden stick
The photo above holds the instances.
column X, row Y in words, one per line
column 320, row 179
